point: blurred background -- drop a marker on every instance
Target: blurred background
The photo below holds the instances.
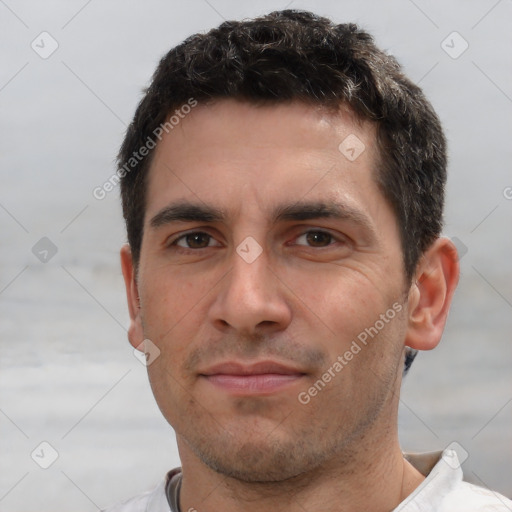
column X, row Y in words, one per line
column 79, row 426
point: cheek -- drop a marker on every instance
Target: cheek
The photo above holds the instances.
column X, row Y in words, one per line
column 342, row 298
column 168, row 298
column 349, row 314
column 170, row 308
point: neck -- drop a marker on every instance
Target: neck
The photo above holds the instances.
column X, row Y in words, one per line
column 376, row 478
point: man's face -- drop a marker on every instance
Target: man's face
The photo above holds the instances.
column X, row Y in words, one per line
column 267, row 252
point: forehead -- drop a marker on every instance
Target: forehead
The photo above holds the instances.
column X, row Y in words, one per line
column 239, row 155
column 295, row 123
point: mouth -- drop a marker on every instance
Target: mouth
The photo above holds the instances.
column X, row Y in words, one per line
column 262, row 378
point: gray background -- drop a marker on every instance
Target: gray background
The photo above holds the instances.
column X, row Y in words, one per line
column 68, row 375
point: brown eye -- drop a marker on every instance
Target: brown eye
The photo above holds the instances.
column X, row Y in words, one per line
column 196, row 240
column 315, row 239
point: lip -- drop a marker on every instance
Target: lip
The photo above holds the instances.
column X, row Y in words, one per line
column 261, row 378
column 259, row 368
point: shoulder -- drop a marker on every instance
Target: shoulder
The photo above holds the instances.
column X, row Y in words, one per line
column 154, row 500
column 466, row 497
column 444, row 489
column 136, row 504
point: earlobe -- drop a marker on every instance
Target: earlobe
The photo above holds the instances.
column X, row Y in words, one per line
column 135, row 331
column 431, row 294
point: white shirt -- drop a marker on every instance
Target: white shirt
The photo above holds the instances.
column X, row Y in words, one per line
column 442, row 490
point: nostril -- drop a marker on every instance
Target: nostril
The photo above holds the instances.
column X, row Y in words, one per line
column 266, row 323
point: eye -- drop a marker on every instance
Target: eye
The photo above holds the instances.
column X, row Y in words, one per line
column 195, row 240
column 316, row 238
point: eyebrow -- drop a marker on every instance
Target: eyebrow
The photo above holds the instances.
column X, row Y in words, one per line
column 186, row 212
column 321, row 210
column 298, row 211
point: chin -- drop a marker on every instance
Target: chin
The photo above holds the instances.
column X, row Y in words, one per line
column 265, row 461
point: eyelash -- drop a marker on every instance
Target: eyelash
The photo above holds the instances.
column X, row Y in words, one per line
column 174, row 243
column 185, row 235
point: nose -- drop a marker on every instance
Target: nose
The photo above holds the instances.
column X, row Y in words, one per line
column 251, row 299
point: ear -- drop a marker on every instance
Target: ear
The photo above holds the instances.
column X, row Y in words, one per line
column 135, row 331
column 431, row 293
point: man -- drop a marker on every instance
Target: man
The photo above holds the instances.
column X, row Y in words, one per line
column 282, row 186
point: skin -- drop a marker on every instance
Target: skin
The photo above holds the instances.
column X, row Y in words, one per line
column 318, row 283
